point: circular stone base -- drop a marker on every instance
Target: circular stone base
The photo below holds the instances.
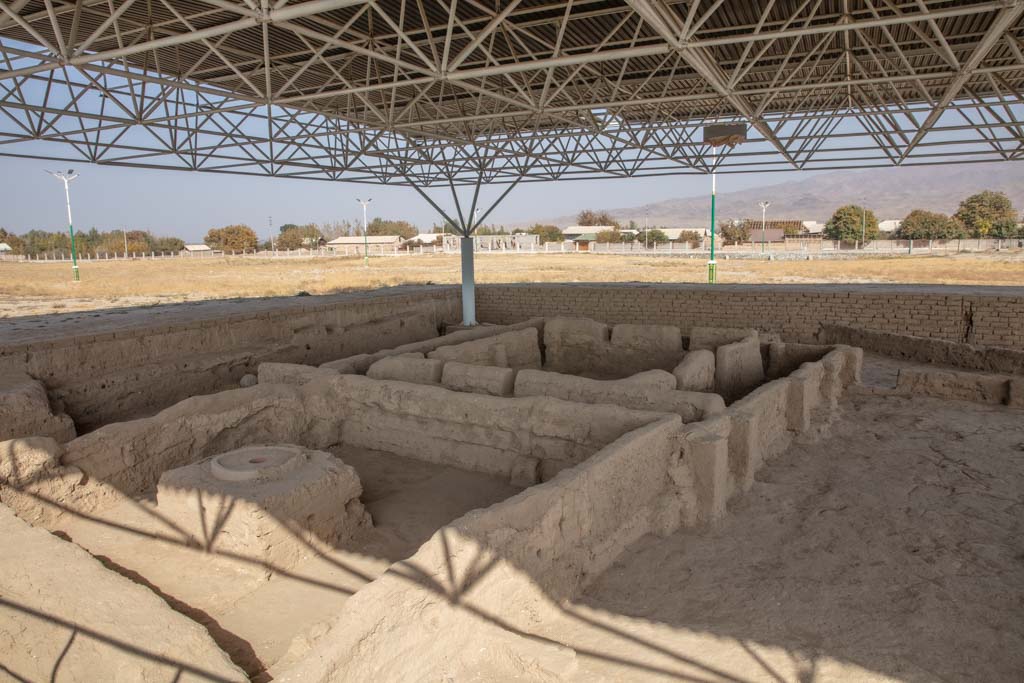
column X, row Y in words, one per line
column 257, row 463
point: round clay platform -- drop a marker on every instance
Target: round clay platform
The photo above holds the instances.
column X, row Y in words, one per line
column 253, row 463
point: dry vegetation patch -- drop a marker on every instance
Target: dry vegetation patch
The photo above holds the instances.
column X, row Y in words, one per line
column 34, row 288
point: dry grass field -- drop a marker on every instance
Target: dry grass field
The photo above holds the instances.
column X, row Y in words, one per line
column 34, row 288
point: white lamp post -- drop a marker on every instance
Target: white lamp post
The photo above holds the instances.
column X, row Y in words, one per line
column 366, row 242
column 67, row 177
column 764, row 208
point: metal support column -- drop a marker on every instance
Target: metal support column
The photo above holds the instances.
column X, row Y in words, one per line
column 468, row 282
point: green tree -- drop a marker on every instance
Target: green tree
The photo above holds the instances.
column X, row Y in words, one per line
column 490, row 230
column 734, row 233
column 292, row 238
column 981, row 212
column 591, row 217
column 404, row 229
column 13, row 241
column 848, row 221
column 652, row 236
column 929, row 225
column 231, row 238
column 286, row 227
column 690, row 236
column 1006, row 229
column 168, row 244
column 547, row 233
column 39, row 242
column 611, row 236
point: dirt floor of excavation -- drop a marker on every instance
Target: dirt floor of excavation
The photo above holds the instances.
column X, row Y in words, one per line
column 891, row 550
column 254, row 619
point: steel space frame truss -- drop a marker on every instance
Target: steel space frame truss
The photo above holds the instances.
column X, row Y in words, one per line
column 464, row 92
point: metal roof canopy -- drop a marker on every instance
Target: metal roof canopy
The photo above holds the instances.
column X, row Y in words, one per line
column 464, row 93
column 424, row 92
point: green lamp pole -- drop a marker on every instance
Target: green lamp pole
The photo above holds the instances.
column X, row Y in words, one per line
column 712, row 266
column 67, row 177
column 366, row 242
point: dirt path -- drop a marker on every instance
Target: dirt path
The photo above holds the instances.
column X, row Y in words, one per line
column 893, row 550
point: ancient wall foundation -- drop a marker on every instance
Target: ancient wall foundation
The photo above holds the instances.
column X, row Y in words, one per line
column 128, row 371
column 976, row 315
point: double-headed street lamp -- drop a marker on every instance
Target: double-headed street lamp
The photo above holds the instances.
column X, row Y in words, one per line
column 67, row 176
column 366, row 242
column 764, row 208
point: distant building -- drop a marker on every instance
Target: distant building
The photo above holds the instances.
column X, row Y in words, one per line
column 891, row 225
column 197, row 249
column 675, row 234
column 813, row 227
column 574, row 231
column 768, row 235
column 5, row 248
column 314, row 242
column 358, row 241
column 424, row 238
column 520, row 241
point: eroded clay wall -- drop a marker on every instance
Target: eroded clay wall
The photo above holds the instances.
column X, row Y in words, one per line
column 525, row 439
column 119, row 372
column 977, row 315
column 502, row 566
column 53, row 590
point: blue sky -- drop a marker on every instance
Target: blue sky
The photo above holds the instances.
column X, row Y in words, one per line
column 187, row 204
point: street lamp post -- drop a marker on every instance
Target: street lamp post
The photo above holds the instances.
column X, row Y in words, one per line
column 764, row 208
column 647, row 228
column 366, row 242
column 67, row 177
column 712, row 265
column 715, row 135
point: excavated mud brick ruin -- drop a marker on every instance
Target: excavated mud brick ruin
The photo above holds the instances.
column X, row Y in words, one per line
column 358, row 488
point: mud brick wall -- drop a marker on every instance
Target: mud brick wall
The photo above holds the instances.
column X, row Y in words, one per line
column 99, row 375
column 988, row 316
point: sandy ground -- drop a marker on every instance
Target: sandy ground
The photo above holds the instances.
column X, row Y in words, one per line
column 255, row 620
column 893, row 550
column 35, row 288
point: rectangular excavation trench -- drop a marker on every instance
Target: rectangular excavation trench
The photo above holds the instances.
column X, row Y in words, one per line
column 511, row 462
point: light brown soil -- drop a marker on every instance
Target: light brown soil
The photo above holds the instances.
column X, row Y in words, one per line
column 893, row 550
column 34, row 288
column 255, row 620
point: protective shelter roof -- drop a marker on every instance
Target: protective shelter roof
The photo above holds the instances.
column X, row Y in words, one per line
column 427, row 92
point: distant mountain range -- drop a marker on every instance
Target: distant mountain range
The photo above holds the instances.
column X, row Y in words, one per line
column 889, row 192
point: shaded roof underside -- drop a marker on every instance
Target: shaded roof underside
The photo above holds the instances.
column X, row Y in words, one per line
column 416, row 91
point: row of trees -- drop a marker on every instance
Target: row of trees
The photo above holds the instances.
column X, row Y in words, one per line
column 986, row 214
column 36, row 242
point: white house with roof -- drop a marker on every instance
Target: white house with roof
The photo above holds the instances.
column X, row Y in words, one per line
column 5, row 248
column 425, row 238
column 197, row 249
column 374, row 244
